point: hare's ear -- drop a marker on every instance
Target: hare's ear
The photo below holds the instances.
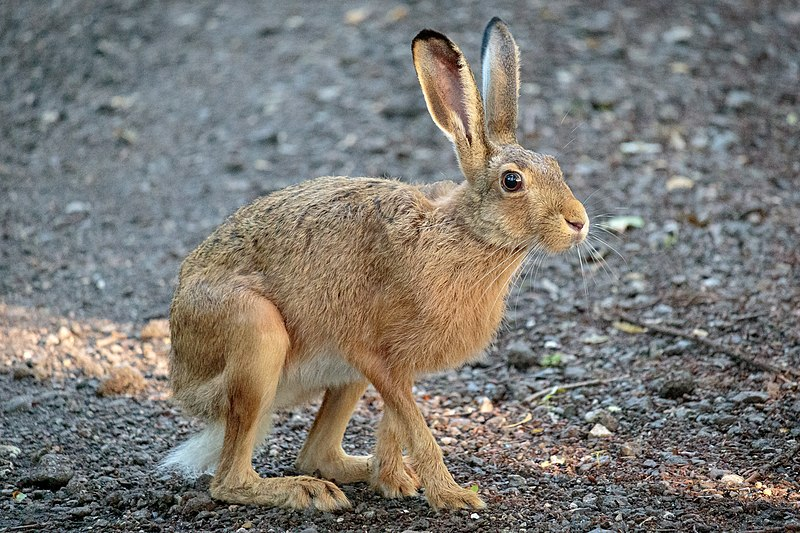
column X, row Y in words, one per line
column 452, row 97
column 500, row 76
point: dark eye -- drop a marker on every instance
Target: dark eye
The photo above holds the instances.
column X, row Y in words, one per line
column 511, row 181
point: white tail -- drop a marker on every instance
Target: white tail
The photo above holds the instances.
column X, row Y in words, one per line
column 198, row 455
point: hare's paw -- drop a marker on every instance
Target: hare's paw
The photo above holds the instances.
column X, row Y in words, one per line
column 343, row 468
column 304, row 492
column 398, row 482
column 299, row 492
column 453, row 497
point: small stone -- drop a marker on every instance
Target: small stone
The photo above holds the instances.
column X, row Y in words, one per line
column 356, row 16
column 7, row 450
column 676, row 183
column 746, row 397
column 599, row 431
column 629, row 450
column 122, row 380
column 52, row 473
column 716, row 473
column 639, row 147
column 738, row 99
column 521, row 355
column 732, row 479
column 198, row 504
column 575, row 373
column 649, row 463
column 76, row 207
column 486, row 405
column 677, row 386
column 20, row 403
column 80, row 512
column 594, row 339
column 603, row 417
column 677, row 34
column 517, row 481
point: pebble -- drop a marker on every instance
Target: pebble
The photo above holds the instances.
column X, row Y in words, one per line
column 51, row 473
column 18, row 404
column 677, row 386
column 599, row 431
column 198, row 504
column 80, row 512
column 738, row 99
column 716, row 473
column 7, row 450
column 517, row 481
column 732, row 479
column 521, row 355
column 678, row 34
column 639, row 147
column 746, row 397
column 603, row 417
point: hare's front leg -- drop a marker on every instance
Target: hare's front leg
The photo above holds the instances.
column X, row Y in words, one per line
column 404, row 426
column 256, row 344
column 322, row 454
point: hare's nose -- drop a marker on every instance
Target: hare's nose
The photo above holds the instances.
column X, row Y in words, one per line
column 577, row 225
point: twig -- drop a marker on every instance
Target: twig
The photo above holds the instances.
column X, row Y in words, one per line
column 762, row 471
column 779, row 529
column 567, row 386
column 733, row 352
column 27, row 526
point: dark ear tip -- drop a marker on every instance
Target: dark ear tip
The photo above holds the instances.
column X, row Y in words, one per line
column 495, row 22
column 428, row 34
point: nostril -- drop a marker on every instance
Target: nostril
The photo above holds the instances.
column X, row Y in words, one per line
column 577, row 225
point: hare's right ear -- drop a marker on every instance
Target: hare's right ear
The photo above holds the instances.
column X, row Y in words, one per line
column 500, row 79
column 452, row 97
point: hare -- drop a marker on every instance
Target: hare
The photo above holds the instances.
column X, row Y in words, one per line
column 336, row 283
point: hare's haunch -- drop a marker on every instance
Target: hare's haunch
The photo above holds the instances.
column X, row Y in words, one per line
column 330, row 285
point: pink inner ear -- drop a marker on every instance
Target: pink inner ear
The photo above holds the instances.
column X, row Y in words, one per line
column 451, row 89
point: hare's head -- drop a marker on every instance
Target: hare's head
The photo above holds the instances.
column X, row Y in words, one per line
column 515, row 198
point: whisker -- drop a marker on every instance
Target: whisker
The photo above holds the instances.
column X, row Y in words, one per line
column 583, row 276
column 578, row 126
column 602, row 262
column 611, row 248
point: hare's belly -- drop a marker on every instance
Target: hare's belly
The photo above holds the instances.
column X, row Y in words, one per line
column 302, row 382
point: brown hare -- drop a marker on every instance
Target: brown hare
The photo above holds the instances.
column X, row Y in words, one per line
column 336, row 283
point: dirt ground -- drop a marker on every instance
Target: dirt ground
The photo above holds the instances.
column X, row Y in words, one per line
column 129, row 129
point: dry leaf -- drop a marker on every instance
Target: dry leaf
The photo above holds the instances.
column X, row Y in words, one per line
column 627, row 327
column 525, row 420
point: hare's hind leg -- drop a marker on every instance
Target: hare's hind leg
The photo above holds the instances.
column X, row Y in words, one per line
column 256, row 347
column 322, row 453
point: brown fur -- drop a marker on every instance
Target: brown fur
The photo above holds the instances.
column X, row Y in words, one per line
column 338, row 282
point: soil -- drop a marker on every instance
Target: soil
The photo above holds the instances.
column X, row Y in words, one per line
column 129, row 129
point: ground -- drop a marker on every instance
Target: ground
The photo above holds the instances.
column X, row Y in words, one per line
column 654, row 391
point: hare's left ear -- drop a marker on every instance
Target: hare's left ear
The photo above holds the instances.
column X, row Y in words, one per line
column 500, row 73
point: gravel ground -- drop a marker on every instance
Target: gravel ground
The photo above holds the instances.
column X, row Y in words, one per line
column 654, row 391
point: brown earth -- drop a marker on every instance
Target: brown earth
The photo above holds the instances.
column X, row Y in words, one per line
column 129, row 129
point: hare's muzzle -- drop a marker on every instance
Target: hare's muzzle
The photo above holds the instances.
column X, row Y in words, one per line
column 575, row 220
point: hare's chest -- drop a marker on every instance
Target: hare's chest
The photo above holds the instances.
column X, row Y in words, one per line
column 460, row 326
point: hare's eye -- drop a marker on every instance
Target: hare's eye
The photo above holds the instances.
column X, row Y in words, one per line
column 511, row 181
